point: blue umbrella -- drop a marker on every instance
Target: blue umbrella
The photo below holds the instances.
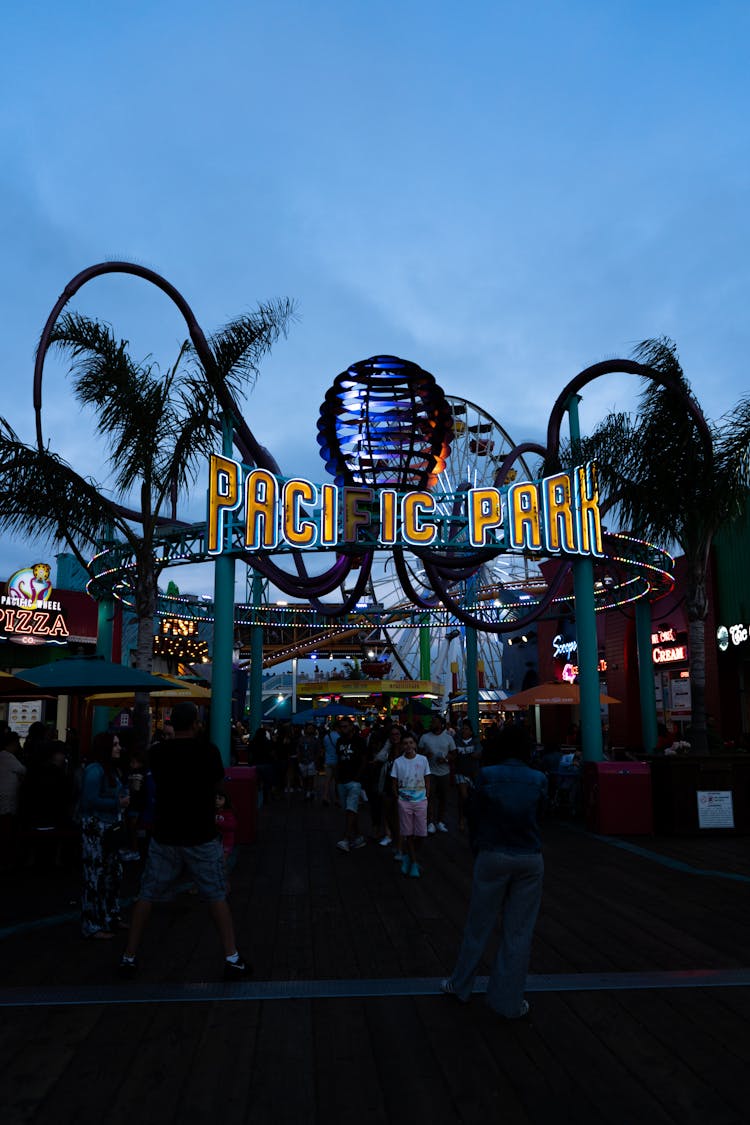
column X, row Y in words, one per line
column 330, row 710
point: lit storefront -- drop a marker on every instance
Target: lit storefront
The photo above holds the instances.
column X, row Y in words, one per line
column 618, row 668
column 40, row 622
column 730, row 639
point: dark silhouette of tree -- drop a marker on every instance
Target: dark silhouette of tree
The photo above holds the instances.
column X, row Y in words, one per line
column 667, row 484
column 158, row 429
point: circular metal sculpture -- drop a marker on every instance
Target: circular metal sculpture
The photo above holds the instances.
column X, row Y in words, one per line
column 385, row 423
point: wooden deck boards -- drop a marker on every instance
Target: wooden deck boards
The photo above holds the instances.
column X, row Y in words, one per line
column 305, row 911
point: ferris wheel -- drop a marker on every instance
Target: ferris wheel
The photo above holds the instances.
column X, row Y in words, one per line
column 479, row 447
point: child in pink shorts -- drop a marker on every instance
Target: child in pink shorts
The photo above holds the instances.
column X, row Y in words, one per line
column 411, row 786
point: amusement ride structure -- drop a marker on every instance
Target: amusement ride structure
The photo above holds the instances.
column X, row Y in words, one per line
column 387, row 430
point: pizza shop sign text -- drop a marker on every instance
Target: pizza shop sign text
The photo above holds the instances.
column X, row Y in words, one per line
column 21, row 620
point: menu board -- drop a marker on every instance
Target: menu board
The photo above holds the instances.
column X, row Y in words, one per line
column 22, row 715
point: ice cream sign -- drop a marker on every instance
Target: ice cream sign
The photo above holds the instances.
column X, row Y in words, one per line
column 28, row 614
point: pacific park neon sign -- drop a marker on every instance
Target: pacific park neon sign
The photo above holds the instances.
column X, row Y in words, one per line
column 253, row 510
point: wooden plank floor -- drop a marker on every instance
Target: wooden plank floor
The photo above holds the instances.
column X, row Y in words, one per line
column 307, row 912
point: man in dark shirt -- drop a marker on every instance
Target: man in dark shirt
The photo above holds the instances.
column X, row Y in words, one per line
column 186, row 771
column 508, row 873
column 350, row 763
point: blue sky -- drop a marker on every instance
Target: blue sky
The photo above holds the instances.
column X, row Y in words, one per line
column 501, row 192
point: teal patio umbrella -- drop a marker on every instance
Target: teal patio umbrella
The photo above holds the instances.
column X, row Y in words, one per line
column 86, row 674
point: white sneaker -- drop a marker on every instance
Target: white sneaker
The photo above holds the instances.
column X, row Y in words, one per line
column 430, row 829
column 441, row 827
column 360, row 842
column 343, row 845
column 385, row 842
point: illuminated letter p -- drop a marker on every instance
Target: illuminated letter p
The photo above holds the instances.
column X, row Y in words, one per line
column 223, row 496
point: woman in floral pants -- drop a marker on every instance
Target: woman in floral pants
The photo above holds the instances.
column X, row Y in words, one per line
column 102, row 801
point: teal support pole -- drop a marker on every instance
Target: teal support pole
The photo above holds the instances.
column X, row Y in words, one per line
column 646, row 674
column 588, row 649
column 472, row 677
column 425, row 669
column 256, row 660
column 105, row 612
column 221, row 675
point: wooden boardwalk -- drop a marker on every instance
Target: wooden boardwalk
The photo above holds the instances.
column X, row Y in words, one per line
column 317, row 922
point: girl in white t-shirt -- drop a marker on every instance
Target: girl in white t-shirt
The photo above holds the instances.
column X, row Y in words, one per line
column 411, row 786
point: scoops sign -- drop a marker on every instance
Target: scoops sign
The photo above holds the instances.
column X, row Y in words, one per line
column 28, row 615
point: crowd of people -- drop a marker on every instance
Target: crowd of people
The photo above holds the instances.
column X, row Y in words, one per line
column 402, row 774
column 175, row 815
column 39, row 792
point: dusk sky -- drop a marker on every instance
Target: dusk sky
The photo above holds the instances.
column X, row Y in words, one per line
column 502, row 192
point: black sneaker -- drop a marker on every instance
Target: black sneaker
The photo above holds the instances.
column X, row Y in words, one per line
column 237, row 970
column 128, row 967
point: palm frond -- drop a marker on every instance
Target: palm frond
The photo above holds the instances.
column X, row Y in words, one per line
column 239, row 346
column 41, row 495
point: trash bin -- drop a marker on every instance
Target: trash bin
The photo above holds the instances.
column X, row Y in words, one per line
column 242, row 787
column 617, row 798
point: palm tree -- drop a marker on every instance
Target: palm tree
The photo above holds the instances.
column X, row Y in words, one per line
column 670, row 484
column 157, row 429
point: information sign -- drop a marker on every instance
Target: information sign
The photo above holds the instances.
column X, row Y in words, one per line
column 715, row 808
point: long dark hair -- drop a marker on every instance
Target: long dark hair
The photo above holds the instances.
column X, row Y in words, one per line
column 101, row 752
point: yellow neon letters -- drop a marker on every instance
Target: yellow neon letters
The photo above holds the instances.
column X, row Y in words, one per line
column 485, row 513
column 559, row 513
column 298, row 533
column 412, row 507
column 523, row 517
column 557, row 506
column 223, row 496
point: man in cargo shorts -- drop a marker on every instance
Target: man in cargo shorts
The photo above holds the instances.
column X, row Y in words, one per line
column 186, row 771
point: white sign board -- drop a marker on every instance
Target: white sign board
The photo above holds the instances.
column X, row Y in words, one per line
column 22, row 715
column 681, row 702
column 715, row 808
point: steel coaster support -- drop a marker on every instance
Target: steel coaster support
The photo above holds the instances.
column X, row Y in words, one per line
column 425, row 670
column 256, row 657
column 105, row 614
column 646, row 673
column 585, row 615
column 472, row 674
column 221, row 675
